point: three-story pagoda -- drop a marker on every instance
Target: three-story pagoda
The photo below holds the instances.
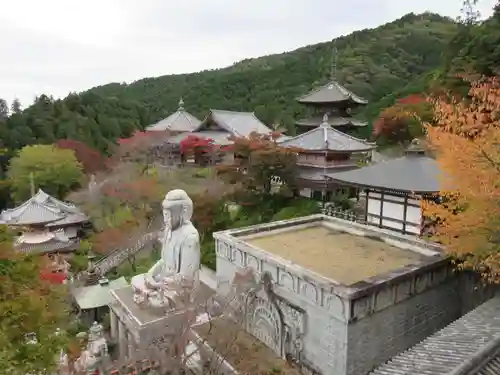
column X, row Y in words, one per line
column 334, row 100
column 325, row 150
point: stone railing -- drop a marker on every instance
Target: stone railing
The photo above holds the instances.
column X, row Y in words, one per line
column 345, row 214
column 118, row 256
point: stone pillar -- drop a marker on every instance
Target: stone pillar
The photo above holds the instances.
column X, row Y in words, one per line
column 132, row 347
column 113, row 320
column 122, row 340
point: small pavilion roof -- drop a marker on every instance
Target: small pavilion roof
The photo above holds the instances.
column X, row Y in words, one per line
column 414, row 172
column 179, row 121
column 240, row 124
column 42, row 209
column 326, row 138
column 332, row 92
column 99, row 295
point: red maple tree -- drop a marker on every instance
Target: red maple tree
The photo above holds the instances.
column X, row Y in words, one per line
column 92, row 161
column 402, row 122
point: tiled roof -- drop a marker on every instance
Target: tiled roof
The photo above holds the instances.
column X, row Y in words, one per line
column 42, row 209
column 326, row 138
column 418, row 174
column 468, row 346
column 332, row 92
column 332, row 121
column 240, row 124
column 219, row 137
column 47, row 247
column 94, row 296
column 180, row 121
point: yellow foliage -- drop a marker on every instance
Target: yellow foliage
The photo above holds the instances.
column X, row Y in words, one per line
column 466, row 139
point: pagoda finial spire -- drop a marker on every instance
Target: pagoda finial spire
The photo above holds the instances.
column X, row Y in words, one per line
column 325, row 121
column 181, row 104
column 32, row 184
column 333, row 67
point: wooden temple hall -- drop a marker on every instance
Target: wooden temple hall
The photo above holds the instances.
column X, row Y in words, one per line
column 393, row 189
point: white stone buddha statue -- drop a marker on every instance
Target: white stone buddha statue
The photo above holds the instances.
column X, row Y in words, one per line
column 179, row 265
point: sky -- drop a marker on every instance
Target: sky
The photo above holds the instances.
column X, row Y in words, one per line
column 59, row 46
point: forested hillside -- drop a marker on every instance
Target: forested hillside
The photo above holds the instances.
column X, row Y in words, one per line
column 373, row 63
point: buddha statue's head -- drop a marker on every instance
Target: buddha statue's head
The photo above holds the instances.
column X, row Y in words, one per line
column 177, row 209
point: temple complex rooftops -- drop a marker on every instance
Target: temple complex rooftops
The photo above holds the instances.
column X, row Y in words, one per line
column 326, row 138
column 179, row 121
column 43, row 209
column 468, row 346
column 332, row 93
column 221, row 124
column 414, row 172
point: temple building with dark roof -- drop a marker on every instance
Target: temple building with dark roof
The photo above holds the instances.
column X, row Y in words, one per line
column 334, row 100
column 324, row 150
column 393, row 189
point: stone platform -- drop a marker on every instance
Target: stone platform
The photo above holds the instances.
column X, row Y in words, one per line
column 348, row 295
column 136, row 327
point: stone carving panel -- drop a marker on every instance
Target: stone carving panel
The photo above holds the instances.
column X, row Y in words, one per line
column 264, row 322
column 238, row 257
column 223, row 250
column 309, row 291
column 253, row 263
column 287, row 280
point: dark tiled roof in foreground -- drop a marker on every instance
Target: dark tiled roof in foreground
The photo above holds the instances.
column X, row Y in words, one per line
column 332, row 92
column 412, row 173
column 468, row 346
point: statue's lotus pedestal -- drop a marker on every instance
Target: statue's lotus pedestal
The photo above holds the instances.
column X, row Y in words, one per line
column 139, row 329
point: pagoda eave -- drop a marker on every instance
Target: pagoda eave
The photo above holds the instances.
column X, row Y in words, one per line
column 314, row 123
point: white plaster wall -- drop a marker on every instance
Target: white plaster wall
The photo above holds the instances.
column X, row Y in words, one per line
column 71, row 232
column 395, row 211
column 306, row 192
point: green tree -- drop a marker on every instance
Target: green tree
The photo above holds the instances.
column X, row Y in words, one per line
column 30, row 308
column 52, row 169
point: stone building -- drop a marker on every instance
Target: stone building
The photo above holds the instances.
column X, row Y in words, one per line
column 344, row 297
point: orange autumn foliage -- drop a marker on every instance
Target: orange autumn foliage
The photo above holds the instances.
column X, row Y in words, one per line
column 466, row 139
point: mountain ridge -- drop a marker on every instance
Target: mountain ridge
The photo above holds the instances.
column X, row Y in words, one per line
column 371, row 66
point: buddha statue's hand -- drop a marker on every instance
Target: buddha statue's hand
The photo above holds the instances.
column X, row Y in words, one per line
column 151, row 283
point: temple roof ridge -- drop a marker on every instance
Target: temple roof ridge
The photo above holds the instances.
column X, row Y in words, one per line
column 325, row 137
column 42, row 208
column 179, row 121
column 237, row 123
column 331, row 92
